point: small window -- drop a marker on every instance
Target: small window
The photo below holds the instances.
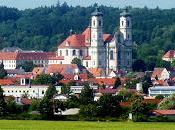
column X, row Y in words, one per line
column 74, row 52
column 127, row 23
column 122, row 23
column 67, row 53
column 111, row 55
column 43, row 92
column 60, row 52
column 86, row 64
column 81, row 53
column 94, row 22
column 99, row 23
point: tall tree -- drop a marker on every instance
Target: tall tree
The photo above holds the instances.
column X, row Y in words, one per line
column 3, row 105
column 3, row 72
column 86, row 95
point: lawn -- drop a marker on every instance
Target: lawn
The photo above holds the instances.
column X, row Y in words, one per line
column 60, row 125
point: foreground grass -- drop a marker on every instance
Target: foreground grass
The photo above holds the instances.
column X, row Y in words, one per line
column 77, row 125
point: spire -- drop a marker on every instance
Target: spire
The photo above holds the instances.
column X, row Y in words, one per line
column 97, row 12
column 125, row 12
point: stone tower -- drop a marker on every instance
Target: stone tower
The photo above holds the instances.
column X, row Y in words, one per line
column 97, row 48
column 125, row 47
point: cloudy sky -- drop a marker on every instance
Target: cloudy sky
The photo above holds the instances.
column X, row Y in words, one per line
column 23, row 4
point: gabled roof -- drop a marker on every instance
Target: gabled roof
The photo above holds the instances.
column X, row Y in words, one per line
column 62, row 68
column 157, row 72
column 170, row 54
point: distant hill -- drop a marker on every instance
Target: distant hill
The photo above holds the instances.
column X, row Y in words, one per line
column 45, row 27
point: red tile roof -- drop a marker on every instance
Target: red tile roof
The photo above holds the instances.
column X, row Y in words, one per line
column 164, row 112
column 101, row 81
column 26, row 101
column 97, row 72
column 6, row 82
column 170, row 54
column 106, row 91
column 157, row 72
column 26, row 55
column 74, row 41
column 82, row 40
column 62, row 68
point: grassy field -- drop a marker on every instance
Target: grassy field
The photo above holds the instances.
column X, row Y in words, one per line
column 58, row 125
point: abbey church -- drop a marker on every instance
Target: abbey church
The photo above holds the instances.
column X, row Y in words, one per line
column 93, row 47
column 97, row 49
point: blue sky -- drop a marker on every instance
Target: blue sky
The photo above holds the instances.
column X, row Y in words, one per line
column 23, row 4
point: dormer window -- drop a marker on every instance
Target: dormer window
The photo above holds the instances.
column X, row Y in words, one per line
column 67, row 43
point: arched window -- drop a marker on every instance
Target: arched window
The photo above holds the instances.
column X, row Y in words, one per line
column 74, row 52
column 60, row 52
column 94, row 22
column 128, row 23
column 122, row 23
column 100, row 23
column 81, row 53
column 67, row 53
column 111, row 55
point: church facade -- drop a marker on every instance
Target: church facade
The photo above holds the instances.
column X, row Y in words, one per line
column 99, row 50
column 93, row 47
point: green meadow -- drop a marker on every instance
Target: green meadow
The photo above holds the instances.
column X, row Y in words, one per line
column 78, row 125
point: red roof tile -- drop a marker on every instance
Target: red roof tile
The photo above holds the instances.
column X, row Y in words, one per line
column 157, row 72
column 6, row 82
column 164, row 112
column 62, row 68
column 82, row 40
column 97, row 72
column 26, row 55
column 169, row 54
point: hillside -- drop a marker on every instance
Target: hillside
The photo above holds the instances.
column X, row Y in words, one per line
column 45, row 27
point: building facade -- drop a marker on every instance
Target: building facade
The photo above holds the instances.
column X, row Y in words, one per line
column 99, row 50
column 93, row 47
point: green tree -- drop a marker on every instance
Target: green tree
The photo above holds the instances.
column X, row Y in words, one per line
column 139, row 110
column 117, row 82
column 77, row 61
column 47, row 106
column 88, row 111
column 3, row 72
column 139, row 66
column 86, row 95
column 108, row 105
column 167, row 103
column 3, row 104
column 27, row 66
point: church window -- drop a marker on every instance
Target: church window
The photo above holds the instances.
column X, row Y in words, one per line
column 74, row 52
column 111, row 55
column 127, row 23
column 94, row 22
column 81, row 53
column 67, row 53
column 60, row 52
column 86, row 64
column 122, row 23
column 99, row 23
